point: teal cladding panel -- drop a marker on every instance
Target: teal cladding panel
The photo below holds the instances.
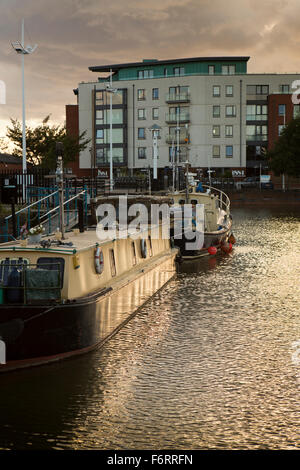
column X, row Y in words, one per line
column 190, row 68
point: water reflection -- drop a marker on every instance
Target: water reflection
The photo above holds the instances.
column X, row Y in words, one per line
column 210, row 362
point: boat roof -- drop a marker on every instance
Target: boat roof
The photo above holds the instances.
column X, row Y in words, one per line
column 74, row 242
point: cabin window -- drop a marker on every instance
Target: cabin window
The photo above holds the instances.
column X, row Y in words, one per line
column 133, row 253
column 150, row 246
column 53, row 264
column 8, row 264
column 112, row 262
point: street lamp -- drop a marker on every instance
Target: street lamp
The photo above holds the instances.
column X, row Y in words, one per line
column 20, row 48
column 111, row 90
column 155, row 132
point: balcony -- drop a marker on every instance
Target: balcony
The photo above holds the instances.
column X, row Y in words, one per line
column 257, row 138
column 256, row 117
column 183, row 97
column 181, row 118
column 172, row 138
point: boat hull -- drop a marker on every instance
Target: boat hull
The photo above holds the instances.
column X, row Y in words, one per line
column 209, row 239
column 35, row 335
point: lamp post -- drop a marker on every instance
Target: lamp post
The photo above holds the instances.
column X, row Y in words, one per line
column 20, row 48
column 177, row 147
column 155, row 131
column 111, row 90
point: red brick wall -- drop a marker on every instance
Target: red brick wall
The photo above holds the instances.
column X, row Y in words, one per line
column 72, row 127
column 274, row 120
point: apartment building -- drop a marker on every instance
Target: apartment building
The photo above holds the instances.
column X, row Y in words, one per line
column 209, row 112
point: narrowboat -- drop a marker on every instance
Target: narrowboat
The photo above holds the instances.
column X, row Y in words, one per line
column 63, row 297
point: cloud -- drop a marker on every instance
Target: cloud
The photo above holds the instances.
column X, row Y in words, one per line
column 75, row 34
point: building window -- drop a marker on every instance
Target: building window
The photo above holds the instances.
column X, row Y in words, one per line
column 230, row 111
column 229, row 151
column 99, row 116
column 103, row 136
column 142, row 74
column 257, row 89
column 211, row 70
column 216, row 151
column 257, row 112
column 141, row 94
column 229, row 131
column 155, row 93
column 229, row 90
column 155, row 113
column 280, row 129
column 284, row 88
column 141, row 114
column 99, row 97
column 296, row 111
column 281, row 110
column 216, row 90
column 178, row 71
column 142, row 153
column 228, row 69
column 216, row 111
column 256, row 133
column 103, row 156
column 141, row 133
column 165, row 72
column 216, row 131
column 99, row 136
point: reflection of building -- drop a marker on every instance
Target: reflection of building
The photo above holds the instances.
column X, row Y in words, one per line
column 210, row 110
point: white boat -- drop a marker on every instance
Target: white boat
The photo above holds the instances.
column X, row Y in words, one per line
column 216, row 231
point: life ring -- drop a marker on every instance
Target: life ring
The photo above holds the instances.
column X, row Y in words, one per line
column 144, row 248
column 99, row 260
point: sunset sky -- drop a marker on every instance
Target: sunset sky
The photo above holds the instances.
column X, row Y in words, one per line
column 75, row 34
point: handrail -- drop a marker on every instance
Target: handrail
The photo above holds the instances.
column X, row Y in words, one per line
column 31, row 205
column 226, row 203
column 66, row 202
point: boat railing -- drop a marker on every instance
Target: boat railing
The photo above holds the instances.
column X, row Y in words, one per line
column 51, row 217
column 224, row 201
column 28, row 284
column 222, row 197
column 36, row 206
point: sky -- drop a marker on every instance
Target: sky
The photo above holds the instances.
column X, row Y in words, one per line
column 74, row 34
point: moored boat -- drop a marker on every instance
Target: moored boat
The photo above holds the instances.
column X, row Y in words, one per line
column 61, row 298
column 214, row 234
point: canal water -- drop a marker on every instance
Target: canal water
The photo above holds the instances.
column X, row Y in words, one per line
column 212, row 361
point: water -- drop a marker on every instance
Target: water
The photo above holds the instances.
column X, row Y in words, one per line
column 212, row 361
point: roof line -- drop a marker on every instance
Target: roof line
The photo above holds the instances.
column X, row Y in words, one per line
column 115, row 67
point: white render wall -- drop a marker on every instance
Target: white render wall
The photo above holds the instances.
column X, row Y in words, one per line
column 201, row 117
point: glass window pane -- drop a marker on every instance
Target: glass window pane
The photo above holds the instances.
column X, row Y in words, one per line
column 216, row 90
column 251, row 89
column 229, row 150
column 216, row 150
column 117, row 116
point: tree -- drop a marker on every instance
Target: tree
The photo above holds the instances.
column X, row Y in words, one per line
column 41, row 142
column 284, row 158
